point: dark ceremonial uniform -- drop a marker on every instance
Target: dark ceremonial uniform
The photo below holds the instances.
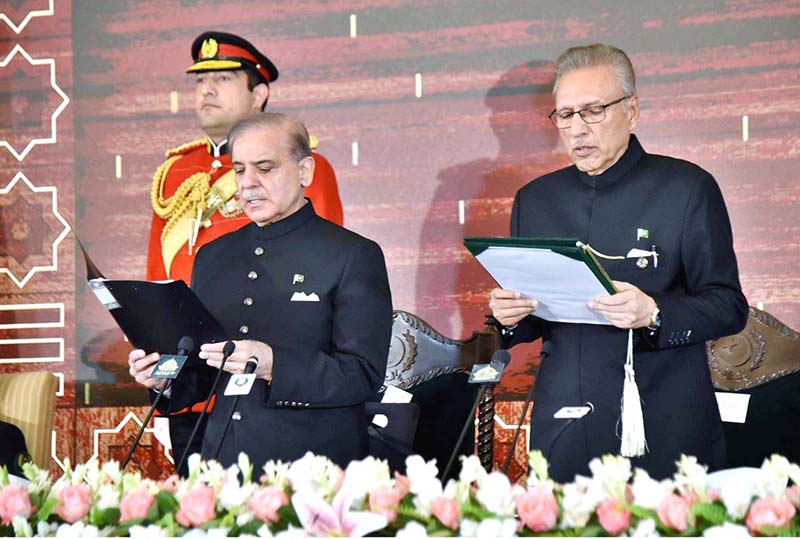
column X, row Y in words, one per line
column 647, row 202
column 319, row 295
column 193, row 178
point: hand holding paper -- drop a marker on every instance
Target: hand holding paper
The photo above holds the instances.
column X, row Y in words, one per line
column 509, row 307
column 557, row 277
column 629, row 308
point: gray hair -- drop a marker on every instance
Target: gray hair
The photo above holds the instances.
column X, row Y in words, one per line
column 297, row 135
column 594, row 55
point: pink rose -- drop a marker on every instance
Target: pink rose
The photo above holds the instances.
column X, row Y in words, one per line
column 265, row 502
column 769, row 512
column 170, row 484
column 402, row 484
column 673, row 511
column 135, row 504
column 613, row 517
column 793, row 494
column 73, row 503
column 14, row 502
column 197, row 507
column 446, row 510
column 537, row 509
column 385, row 501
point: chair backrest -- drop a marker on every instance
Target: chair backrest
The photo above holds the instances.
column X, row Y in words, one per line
column 27, row 400
column 435, row 369
column 763, row 363
column 418, row 353
column 764, row 350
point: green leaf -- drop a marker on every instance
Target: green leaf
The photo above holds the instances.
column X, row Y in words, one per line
column 167, row 503
column 785, row 531
column 412, row 514
column 46, row 509
column 711, row 513
column 153, row 514
column 251, row 528
column 288, row 516
column 593, row 530
column 104, row 517
column 476, row 513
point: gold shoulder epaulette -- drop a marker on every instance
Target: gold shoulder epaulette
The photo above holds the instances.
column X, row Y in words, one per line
column 313, row 142
column 189, row 146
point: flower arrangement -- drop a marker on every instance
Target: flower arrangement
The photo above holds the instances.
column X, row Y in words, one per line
column 314, row 497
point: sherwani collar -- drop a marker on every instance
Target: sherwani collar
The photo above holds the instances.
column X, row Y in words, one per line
column 619, row 169
column 285, row 225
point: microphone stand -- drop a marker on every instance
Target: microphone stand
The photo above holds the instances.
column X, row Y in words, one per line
column 144, row 425
column 226, row 353
column 185, row 346
column 470, row 418
column 249, row 368
column 545, row 351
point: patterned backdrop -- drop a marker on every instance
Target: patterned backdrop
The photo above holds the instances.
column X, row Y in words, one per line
column 431, row 112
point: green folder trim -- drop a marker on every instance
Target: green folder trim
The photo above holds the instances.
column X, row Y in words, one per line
column 569, row 247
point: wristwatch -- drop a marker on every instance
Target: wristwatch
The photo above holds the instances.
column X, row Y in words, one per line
column 655, row 319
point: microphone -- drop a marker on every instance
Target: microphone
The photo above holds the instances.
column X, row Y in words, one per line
column 251, row 365
column 227, row 350
column 487, row 376
column 544, row 353
column 167, row 367
column 568, row 424
column 185, row 346
column 249, row 368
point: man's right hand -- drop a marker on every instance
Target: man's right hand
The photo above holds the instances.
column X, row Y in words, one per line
column 141, row 366
column 509, row 307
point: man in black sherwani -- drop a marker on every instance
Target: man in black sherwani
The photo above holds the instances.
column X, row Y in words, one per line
column 680, row 289
column 306, row 297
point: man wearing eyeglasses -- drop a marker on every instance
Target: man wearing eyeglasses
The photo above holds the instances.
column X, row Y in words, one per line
column 665, row 226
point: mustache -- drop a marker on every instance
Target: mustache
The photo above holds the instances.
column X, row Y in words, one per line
column 251, row 193
column 577, row 143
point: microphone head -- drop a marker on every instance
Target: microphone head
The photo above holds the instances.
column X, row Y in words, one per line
column 186, row 345
column 502, row 357
column 250, row 366
column 229, row 348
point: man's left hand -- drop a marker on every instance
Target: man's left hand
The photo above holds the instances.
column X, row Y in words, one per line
column 212, row 353
column 629, row 308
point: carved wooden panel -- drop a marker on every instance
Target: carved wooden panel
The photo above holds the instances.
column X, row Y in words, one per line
column 765, row 350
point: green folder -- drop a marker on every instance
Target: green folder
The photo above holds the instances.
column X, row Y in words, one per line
column 570, row 247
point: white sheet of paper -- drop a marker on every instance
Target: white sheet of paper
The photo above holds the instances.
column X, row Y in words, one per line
column 733, row 406
column 563, row 286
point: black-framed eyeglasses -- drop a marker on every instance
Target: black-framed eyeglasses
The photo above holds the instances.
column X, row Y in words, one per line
column 593, row 114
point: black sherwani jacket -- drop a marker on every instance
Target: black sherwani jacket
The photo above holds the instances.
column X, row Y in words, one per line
column 329, row 352
column 695, row 284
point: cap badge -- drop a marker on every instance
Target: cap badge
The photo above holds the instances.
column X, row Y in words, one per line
column 209, row 49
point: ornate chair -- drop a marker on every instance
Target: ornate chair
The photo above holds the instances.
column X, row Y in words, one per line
column 27, row 400
column 763, row 361
column 435, row 369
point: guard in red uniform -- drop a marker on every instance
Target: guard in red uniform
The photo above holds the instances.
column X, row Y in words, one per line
column 194, row 192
